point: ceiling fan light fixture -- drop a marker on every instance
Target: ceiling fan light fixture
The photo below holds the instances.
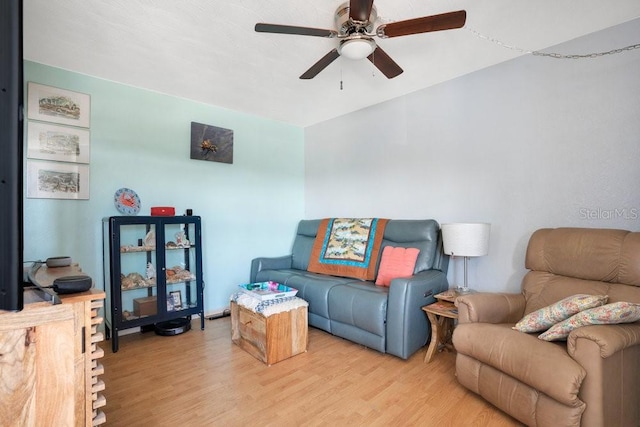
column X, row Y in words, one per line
column 357, row 48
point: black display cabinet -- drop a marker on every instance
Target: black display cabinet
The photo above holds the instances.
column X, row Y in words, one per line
column 152, row 272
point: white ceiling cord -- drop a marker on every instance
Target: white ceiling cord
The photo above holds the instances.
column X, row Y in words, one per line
column 554, row 55
column 537, row 52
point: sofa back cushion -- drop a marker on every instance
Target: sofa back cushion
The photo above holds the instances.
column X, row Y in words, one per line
column 419, row 234
column 569, row 261
column 303, row 243
column 586, row 253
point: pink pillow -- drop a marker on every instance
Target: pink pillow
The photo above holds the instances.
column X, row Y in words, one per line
column 396, row 262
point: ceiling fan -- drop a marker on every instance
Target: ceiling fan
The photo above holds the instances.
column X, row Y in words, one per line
column 354, row 22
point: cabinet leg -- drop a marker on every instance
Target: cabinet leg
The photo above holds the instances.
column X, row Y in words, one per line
column 114, row 341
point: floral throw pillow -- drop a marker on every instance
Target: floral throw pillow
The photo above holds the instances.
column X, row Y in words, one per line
column 548, row 316
column 610, row 314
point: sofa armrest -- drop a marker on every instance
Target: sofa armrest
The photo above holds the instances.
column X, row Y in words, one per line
column 609, row 338
column 609, row 354
column 490, row 308
column 275, row 263
column 407, row 325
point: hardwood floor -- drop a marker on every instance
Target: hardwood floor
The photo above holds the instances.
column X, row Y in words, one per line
column 201, row 378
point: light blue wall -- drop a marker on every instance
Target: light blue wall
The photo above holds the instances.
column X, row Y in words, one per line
column 530, row 143
column 140, row 140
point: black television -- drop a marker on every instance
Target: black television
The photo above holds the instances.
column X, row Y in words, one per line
column 11, row 155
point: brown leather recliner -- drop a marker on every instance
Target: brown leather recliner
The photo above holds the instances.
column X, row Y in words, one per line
column 592, row 379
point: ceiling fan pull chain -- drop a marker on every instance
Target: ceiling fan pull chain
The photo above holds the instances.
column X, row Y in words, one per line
column 373, row 57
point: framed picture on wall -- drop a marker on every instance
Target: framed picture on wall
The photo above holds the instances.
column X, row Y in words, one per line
column 55, row 180
column 55, row 105
column 211, row 143
column 47, row 141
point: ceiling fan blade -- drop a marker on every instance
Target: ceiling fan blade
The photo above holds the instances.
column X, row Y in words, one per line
column 320, row 65
column 444, row 21
column 384, row 63
column 290, row 29
column 359, row 10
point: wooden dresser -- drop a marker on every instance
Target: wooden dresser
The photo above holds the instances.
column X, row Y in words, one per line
column 49, row 361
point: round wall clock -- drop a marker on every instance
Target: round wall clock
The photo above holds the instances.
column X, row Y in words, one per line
column 127, row 201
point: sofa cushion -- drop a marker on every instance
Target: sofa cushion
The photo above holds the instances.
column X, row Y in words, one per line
column 544, row 366
column 360, row 304
column 396, row 262
column 548, row 316
column 610, row 314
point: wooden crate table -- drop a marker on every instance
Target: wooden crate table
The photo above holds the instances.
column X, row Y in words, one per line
column 271, row 338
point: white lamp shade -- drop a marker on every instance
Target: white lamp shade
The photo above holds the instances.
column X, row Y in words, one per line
column 466, row 239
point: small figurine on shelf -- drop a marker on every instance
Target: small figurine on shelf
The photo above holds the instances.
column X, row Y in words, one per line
column 151, row 271
column 150, row 239
column 181, row 242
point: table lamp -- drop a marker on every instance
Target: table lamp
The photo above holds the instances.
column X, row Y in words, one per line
column 466, row 240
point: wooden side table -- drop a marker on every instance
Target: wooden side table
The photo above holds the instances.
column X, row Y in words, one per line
column 442, row 315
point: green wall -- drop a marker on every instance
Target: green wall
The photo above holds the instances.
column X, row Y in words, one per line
column 140, row 140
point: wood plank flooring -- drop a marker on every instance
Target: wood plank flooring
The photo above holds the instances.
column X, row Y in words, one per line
column 201, row 378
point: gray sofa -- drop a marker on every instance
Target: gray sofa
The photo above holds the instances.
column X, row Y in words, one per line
column 387, row 319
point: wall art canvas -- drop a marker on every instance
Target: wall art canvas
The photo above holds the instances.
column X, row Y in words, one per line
column 55, row 105
column 61, row 143
column 55, row 180
column 211, row 143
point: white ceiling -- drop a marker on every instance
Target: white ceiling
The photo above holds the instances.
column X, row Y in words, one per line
column 208, row 51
